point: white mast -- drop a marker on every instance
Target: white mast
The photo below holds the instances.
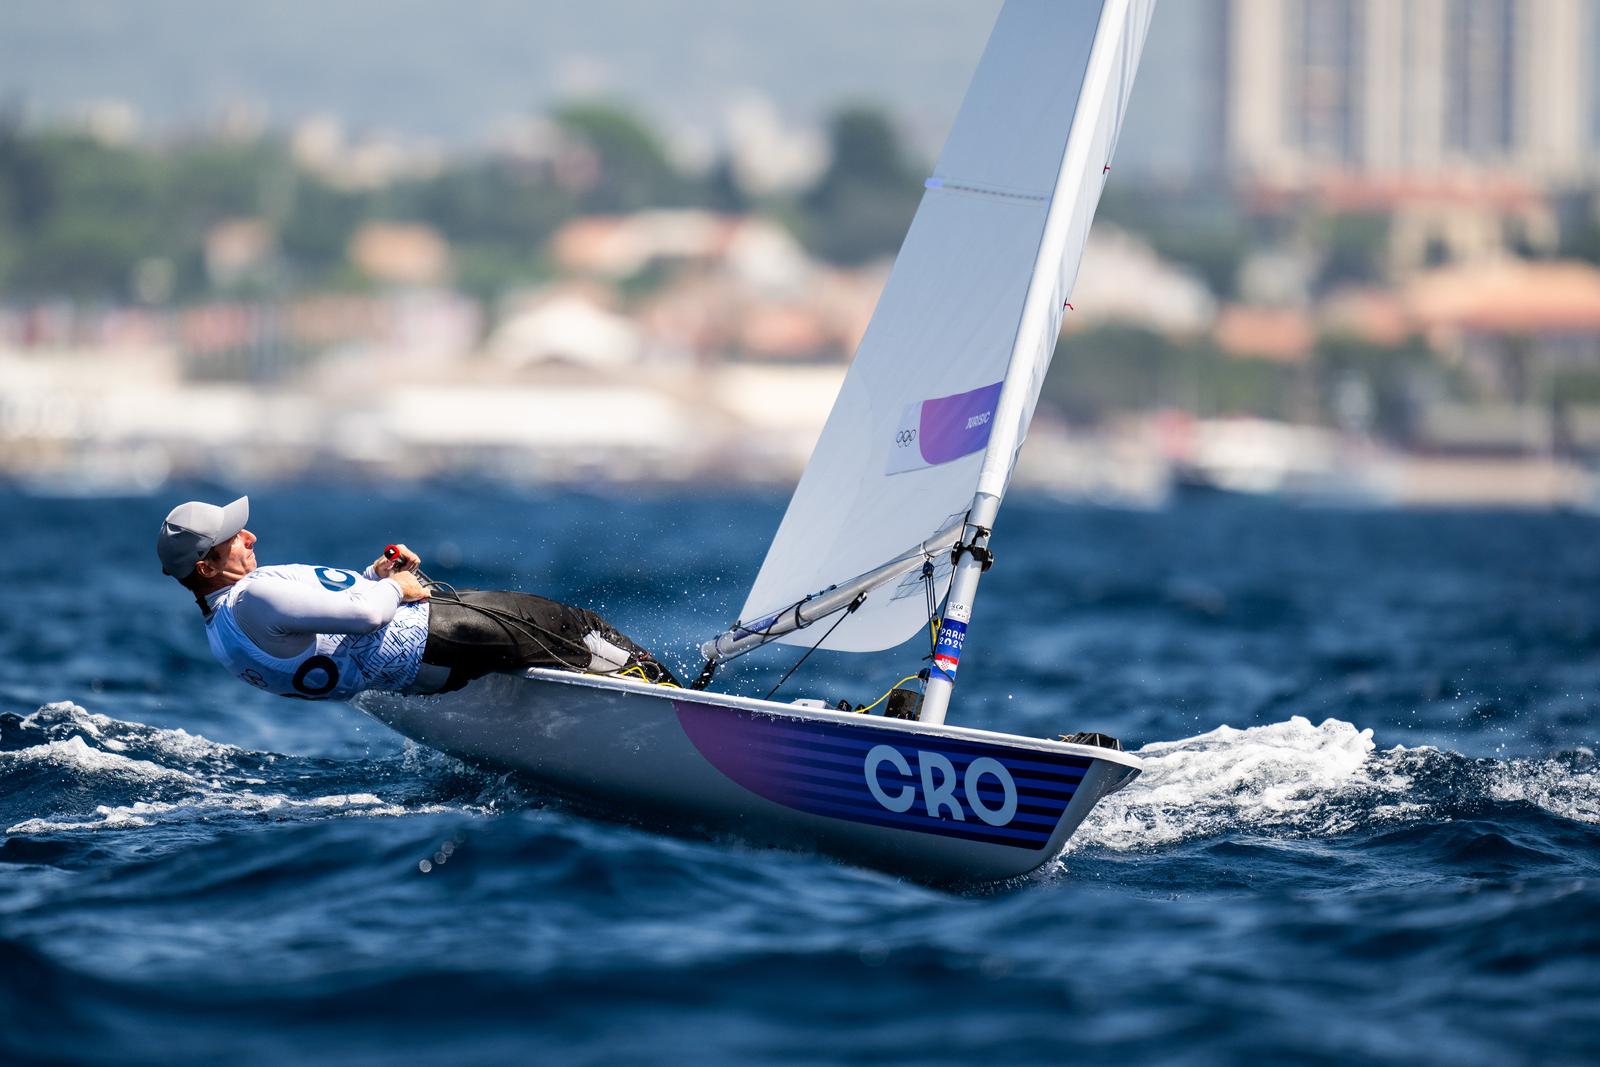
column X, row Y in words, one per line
column 926, row 429
column 1085, row 165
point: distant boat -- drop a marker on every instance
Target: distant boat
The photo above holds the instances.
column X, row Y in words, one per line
column 888, row 530
column 1261, row 457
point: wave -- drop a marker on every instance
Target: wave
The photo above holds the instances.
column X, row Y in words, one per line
column 64, row 769
column 1320, row 780
column 64, row 720
column 149, row 813
column 53, row 759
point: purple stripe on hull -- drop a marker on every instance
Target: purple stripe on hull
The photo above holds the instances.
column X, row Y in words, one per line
column 881, row 777
column 814, row 749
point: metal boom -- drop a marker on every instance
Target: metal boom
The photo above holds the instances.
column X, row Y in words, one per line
column 742, row 637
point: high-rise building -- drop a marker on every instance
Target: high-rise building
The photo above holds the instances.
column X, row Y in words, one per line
column 1410, row 87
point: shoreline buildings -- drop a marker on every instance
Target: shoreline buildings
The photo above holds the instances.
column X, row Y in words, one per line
column 1409, row 86
column 1366, row 285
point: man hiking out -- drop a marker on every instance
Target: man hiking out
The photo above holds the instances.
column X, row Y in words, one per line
column 326, row 633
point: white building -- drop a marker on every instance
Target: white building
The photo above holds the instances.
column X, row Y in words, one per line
column 1387, row 86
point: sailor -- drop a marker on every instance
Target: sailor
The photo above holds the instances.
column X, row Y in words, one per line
column 327, row 633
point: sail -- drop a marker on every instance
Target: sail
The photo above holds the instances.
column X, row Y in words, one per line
column 938, row 399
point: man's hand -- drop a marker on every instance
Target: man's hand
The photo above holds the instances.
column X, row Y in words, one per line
column 411, row 590
column 405, row 560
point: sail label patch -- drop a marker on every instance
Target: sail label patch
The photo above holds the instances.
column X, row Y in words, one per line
column 947, row 652
column 931, row 432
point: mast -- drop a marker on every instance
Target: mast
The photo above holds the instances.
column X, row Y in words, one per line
column 1085, row 162
column 972, row 559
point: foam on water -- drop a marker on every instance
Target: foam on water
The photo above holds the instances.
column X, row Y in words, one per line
column 63, row 719
column 271, row 805
column 1294, row 777
column 76, row 755
column 1567, row 786
column 84, row 750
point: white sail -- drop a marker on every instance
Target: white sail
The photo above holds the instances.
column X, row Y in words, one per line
column 938, row 399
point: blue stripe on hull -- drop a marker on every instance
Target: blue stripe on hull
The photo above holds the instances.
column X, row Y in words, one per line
column 853, row 772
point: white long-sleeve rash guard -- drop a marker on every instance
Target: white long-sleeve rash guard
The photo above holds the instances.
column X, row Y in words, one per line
column 282, row 613
column 320, row 633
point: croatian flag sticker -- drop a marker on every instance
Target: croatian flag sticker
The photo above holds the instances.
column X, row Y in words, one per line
column 947, row 652
column 931, row 432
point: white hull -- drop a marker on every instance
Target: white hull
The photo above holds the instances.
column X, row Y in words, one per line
column 938, row 803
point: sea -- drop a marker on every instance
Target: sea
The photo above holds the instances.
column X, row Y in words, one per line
column 1367, row 831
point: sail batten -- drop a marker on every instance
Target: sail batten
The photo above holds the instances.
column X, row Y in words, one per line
column 957, row 185
column 1096, row 123
column 938, row 399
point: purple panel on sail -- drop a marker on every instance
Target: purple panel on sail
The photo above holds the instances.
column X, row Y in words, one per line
column 956, row 426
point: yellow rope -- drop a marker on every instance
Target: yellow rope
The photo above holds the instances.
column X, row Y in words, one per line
column 637, row 671
column 880, row 700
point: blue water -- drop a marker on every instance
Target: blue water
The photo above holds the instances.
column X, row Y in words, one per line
column 1368, row 830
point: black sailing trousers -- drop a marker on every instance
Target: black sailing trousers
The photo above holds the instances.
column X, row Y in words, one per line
column 474, row 632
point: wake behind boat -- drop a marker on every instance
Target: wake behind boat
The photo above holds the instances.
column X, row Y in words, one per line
column 887, row 534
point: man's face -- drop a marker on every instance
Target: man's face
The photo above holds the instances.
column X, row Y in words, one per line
column 232, row 560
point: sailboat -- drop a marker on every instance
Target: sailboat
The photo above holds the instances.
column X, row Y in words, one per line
column 891, row 518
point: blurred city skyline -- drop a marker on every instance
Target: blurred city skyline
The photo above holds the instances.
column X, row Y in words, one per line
column 1352, row 248
column 1221, row 85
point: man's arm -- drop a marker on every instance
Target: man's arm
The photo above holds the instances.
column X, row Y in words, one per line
column 282, row 617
